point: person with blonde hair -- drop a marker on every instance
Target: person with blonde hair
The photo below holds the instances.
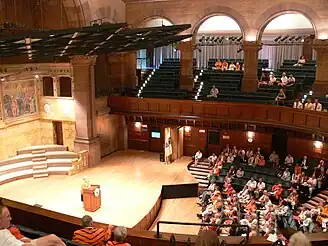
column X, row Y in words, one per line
column 207, row 238
column 299, row 239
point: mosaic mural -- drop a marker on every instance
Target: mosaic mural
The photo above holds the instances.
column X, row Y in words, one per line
column 19, row 98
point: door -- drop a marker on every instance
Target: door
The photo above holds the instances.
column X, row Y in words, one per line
column 279, row 143
column 58, row 132
column 180, row 142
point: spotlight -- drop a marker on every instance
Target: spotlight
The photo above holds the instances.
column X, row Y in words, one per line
column 318, row 144
column 36, row 76
column 2, row 79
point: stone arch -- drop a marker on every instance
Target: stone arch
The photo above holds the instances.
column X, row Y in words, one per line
column 78, row 13
column 286, row 8
column 153, row 17
column 220, row 10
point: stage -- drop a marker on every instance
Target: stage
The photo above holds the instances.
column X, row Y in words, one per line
column 131, row 183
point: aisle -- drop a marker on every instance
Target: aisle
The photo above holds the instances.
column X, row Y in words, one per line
column 180, row 210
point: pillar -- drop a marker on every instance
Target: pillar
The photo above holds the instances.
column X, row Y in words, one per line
column 307, row 47
column 56, row 86
column 186, row 65
column 123, row 70
column 85, row 110
column 320, row 86
column 122, row 133
column 251, row 54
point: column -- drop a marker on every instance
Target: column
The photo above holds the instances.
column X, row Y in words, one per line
column 85, row 110
column 2, row 112
column 307, row 47
column 122, row 133
column 320, row 86
column 186, row 65
column 251, row 54
column 56, row 86
column 123, row 70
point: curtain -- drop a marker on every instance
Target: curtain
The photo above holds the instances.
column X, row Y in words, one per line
column 276, row 54
column 142, row 59
column 226, row 51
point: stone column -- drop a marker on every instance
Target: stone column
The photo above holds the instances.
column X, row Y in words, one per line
column 122, row 133
column 307, row 47
column 123, row 70
column 186, row 65
column 251, row 54
column 56, row 86
column 85, row 110
column 320, row 86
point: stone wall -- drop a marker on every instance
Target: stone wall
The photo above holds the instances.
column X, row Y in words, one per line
column 251, row 15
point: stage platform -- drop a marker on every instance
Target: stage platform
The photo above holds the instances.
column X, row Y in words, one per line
column 131, row 183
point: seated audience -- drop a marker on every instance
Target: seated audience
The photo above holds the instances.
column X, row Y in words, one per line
column 283, row 80
column 272, row 79
column 240, row 173
column 119, row 237
column 198, row 156
column 232, row 66
column 291, row 81
column 214, row 92
column 286, row 175
column 312, row 184
column 280, row 97
column 260, row 187
column 218, row 64
column 90, row 235
column 274, row 158
column 316, row 105
column 297, row 104
column 289, row 160
column 301, row 61
column 251, row 184
column 225, row 65
column 308, row 105
column 237, row 66
column 8, row 239
column 212, row 159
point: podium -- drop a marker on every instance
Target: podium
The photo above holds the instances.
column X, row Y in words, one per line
column 92, row 198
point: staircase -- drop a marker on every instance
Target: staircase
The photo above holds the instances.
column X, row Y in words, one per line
column 200, row 172
column 40, row 167
column 314, row 201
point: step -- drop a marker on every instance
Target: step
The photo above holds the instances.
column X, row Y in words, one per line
column 200, row 173
column 200, row 177
column 47, row 148
column 312, row 202
column 40, row 171
column 325, row 192
column 40, row 167
column 308, row 206
column 199, row 170
column 200, row 166
column 42, row 175
column 39, row 159
column 323, row 196
column 40, row 151
column 318, row 199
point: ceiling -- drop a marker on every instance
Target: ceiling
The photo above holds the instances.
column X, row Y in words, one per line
column 93, row 40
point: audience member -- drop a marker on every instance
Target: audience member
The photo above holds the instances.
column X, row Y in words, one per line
column 301, row 61
column 280, row 97
column 207, row 238
column 297, row 104
column 90, row 235
column 214, row 92
column 198, row 156
column 308, row 105
column 119, row 237
column 8, row 239
column 317, row 106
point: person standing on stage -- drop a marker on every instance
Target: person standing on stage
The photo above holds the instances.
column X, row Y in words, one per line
column 85, row 185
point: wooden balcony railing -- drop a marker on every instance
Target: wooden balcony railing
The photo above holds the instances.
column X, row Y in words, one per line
column 229, row 112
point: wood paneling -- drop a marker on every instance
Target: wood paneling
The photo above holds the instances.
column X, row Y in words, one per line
column 299, row 147
column 194, row 141
column 268, row 115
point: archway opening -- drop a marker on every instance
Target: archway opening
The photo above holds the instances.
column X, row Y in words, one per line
column 152, row 58
column 287, row 37
column 218, row 37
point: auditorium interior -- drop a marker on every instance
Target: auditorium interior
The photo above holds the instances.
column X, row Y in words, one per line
column 165, row 117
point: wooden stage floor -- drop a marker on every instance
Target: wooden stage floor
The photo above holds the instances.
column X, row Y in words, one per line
column 130, row 181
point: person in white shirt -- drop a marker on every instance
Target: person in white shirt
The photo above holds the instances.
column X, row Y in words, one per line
column 272, row 79
column 198, row 156
column 308, row 105
column 212, row 159
column 289, row 160
column 317, row 106
column 230, row 158
column 214, row 92
column 7, row 239
column 286, row 175
column 283, row 79
column 232, row 66
column 297, row 104
column 312, row 184
column 296, row 179
column 291, row 81
column 251, row 184
column 305, row 164
column 301, row 61
column 260, row 187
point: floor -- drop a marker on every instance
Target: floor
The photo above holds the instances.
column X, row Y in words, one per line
column 178, row 210
column 126, row 177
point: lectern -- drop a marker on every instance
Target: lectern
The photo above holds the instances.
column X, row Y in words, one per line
column 92, row 198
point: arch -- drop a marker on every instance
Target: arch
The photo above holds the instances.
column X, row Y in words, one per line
column 154, row 17
column 220, row 10
column 286, row 8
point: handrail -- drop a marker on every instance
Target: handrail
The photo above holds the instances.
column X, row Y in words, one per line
column 158, row 235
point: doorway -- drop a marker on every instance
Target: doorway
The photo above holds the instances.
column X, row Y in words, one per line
column 58, row 132
column 279, row 143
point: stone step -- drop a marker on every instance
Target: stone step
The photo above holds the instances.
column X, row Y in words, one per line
column 207, row 171
column 39, row 151
column 312, row 202
column 325, row 192
column 308, row 206
column 41, row 175
column 199, row 173
column 323, row 196
column 39, row 159
column 318, row 199
column 198, row 177
column 199, row 166
column 40, row 167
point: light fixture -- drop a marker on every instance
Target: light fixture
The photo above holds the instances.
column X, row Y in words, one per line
column 2, row 79
column 36, row 76
column 201, row 131
column 137, row 124
column 310, row 93
column 318, row 144
column 250, row 134
column 187, row 128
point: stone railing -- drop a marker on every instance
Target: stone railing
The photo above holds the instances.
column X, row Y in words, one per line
column 81, row 163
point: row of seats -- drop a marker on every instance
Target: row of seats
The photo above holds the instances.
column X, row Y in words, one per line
column 263, row 63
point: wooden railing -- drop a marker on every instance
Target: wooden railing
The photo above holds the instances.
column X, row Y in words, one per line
column 229, row 112
column 81, row 163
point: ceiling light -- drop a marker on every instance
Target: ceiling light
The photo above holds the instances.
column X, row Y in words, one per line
column 2, row 79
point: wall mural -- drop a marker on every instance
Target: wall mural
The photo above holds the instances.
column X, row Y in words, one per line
column 19, row 98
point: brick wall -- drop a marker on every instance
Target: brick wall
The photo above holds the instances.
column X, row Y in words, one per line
column 250, row 14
